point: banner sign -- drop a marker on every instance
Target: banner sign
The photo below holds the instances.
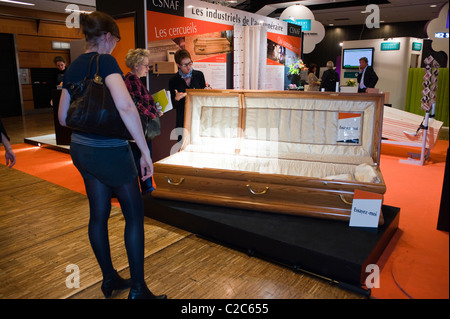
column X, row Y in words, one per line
column 174, row 7
column 305, row 24
column 206, row 31
column 201, row 10
column 294, row 30
column 390, row 46
column 416, row 46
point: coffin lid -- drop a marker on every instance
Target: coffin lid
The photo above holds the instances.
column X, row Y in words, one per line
column 310, row 126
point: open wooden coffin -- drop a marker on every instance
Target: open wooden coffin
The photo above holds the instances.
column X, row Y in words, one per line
column 301, row 153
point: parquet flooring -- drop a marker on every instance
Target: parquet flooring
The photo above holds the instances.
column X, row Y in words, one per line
column 43, row 229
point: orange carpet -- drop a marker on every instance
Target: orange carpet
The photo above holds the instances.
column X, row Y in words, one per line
column 53, row 166
column 416, row 262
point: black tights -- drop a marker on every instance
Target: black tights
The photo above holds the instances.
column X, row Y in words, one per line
column 130, row 200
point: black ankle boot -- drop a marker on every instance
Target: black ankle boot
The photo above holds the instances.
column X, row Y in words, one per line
column 141, row 291
column 113, row 282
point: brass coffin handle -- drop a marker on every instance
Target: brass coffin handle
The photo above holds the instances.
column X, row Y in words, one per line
column 344, row 200
column 171, row 182
column 257, row 193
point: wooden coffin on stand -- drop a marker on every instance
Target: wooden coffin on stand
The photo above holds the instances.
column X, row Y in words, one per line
column 300, row 153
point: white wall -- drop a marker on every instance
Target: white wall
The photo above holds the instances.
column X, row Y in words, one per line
column 391, row 66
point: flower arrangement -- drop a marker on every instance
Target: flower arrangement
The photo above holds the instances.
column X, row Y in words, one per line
column 292, row 86
column 296, row 67
column 351, row 82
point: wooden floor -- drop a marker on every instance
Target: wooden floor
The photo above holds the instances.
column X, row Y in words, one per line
column 43, row 231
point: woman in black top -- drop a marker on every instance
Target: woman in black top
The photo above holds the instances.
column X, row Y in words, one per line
column 60, row 69
column 186, row 78
column 106, row 164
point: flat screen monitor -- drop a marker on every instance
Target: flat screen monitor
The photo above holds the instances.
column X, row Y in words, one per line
column 350, row 57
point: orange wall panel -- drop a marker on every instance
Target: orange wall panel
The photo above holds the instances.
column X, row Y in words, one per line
column 127, row 42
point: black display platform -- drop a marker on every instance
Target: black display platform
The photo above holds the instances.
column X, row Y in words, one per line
column 327, row 248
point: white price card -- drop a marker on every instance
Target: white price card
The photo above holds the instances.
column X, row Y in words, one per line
column 366, row 209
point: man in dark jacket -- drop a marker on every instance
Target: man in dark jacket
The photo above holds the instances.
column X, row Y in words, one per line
column 367, row 78
column 186, row 78
column 329, row 78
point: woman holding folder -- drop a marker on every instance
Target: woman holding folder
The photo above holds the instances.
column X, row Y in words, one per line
column 138, row 62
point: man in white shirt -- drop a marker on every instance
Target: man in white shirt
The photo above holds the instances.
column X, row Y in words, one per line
column 367, row 78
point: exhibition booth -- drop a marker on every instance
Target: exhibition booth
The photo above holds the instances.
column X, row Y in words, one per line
column 391, row 59
column 310, row 195
column 277, row 215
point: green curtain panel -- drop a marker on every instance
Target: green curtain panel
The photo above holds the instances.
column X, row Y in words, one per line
column 414, row 94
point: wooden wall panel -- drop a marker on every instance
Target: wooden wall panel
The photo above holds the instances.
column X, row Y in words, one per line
column 39, row 59
column 56, row 29
column 23, row 12
column 46, row 59
column 18, row 26
column 29, row 60
column 28, row 105
column 27, row 43
column 34, row 32
column 39, row 44
column 45, row 45
column 42, row 28
column 27, row 92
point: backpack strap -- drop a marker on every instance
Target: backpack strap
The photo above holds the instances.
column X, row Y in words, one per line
column 90, row 66
column 97, row 78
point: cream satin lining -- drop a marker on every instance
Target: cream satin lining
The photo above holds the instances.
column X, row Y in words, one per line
column 348, row 172
column 285, row 136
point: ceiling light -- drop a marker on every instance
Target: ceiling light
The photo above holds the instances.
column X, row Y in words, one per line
column 79, row 11
column 433, row 5
column 18, row 2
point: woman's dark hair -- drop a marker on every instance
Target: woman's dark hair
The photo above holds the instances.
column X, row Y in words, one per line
column 181, row 54
column 59, row 59
column 311, row 68
column 97, row 23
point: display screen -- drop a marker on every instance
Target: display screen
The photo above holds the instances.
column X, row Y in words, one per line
column 350, row 57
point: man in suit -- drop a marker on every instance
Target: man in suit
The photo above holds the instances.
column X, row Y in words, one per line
column 367, row 78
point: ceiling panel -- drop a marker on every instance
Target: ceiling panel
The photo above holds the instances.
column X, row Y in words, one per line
column 336, row 12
